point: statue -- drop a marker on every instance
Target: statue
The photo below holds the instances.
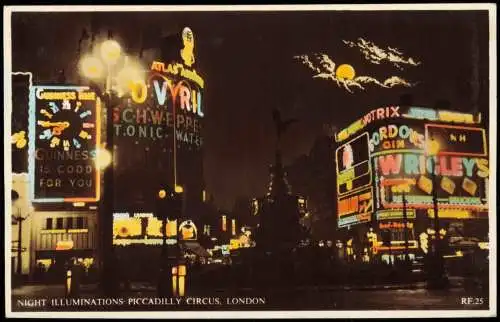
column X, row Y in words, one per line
column 281, row 126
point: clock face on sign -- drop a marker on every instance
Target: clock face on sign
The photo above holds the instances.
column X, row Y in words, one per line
column 65, row 124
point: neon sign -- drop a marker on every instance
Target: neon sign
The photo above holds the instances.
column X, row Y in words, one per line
column 418, row 113
column 396, row 137
column 395, row 225
column 418, row 164
column 381, row 113
column 355, row 208
column 141, row 228
column 188, row 231
column 395, row 214
column 169, row 105
column 63, row 136
column 452, row 213
column 421, row 113
column 353, row 165
column 458, row 140
column 460, row 182
column 375, row 114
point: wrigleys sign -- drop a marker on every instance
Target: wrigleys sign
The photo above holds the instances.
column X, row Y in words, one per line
column 169, row 103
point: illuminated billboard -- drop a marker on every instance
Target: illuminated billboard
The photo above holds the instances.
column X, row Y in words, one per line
column 355, row 208
column 392, row 113
column 397, row 137
column 353, row 165
column 159, row 128
column 458, row 140
column 458, row 182
column 64, row 133
column 141, row 228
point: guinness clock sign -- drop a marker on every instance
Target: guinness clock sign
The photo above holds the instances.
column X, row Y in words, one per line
column 64, row 134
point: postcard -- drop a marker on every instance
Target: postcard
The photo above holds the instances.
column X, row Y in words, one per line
column 250, row 161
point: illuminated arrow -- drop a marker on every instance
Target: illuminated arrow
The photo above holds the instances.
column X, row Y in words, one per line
column 85, row 114
column 78, row 104
column 53, row 107
column 66, row 145
column 66, row 105
column 76, row 143
column 47, row 114
column 47, row 134
column 54, row 142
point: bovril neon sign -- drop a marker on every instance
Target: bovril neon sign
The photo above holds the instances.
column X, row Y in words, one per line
column 168, row 93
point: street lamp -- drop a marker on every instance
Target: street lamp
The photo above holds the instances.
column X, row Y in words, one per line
column 432, row 148
column 96, row 67
column 168, row 204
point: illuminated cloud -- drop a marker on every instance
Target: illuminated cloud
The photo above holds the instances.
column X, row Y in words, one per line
column 375, row 55
column 344, row 75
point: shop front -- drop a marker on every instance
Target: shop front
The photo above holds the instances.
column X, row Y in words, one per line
column 61, row 239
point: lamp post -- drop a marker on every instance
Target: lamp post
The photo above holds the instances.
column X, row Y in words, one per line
column 405, row 228
column 97, row 68
column 438, row 264
column 19, row 220
column 168, row 204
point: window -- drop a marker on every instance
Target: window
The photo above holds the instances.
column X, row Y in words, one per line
column 79, row 222
column 48, row 223
column 69, row 223
column 59, row 223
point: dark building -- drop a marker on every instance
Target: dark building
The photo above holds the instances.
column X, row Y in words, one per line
column 313, row 176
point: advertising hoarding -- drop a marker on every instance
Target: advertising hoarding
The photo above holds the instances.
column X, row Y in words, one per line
column 64, row 135
column 353, row 165
column 355, row 208
column 141, row 228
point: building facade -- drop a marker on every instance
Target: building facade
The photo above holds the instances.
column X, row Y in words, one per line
column 22, row 221
column 396, row 165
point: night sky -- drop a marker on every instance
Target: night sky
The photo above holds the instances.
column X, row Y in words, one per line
column 246, row 59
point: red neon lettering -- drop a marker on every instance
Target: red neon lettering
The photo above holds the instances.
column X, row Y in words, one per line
column 156, row 116
column 442, row 165
column 380, row 113
column 390, row 164
column 141, row 114
column 456, row 167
